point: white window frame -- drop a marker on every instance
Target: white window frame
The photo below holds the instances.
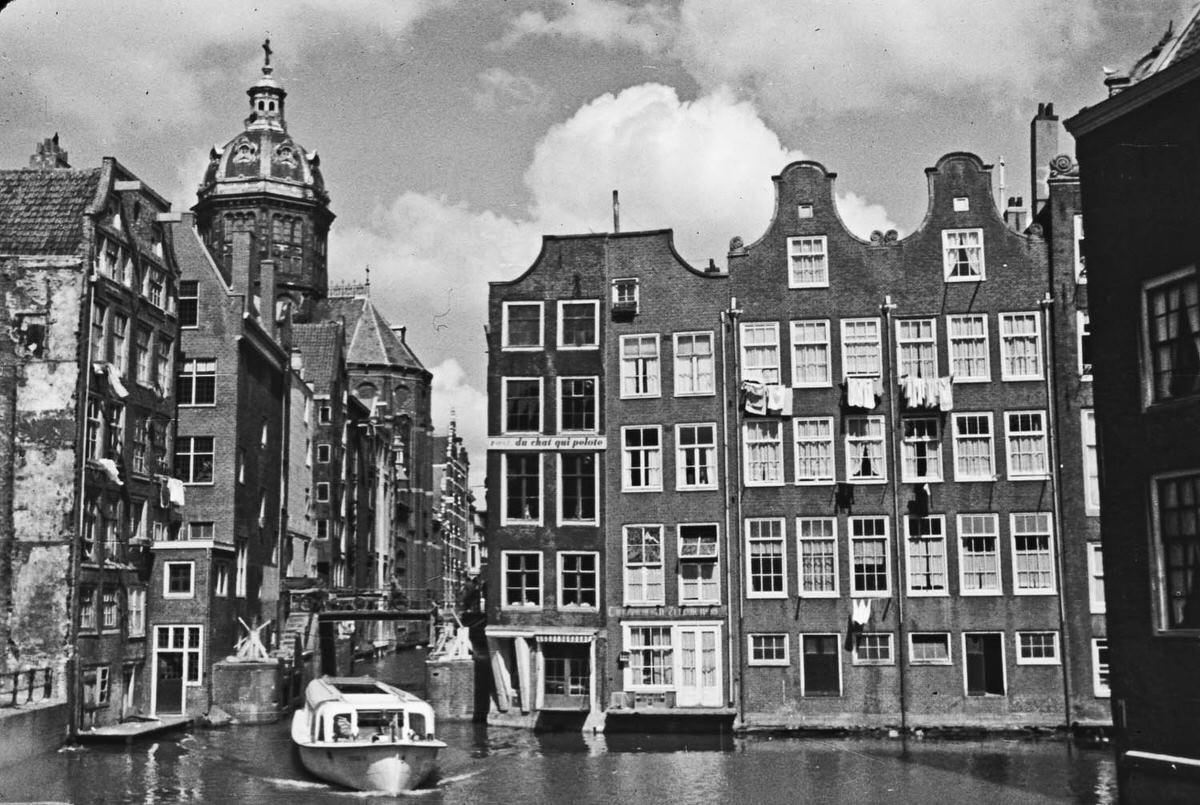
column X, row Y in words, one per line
column 322, row 494
column 796, row 250
column 136, row 602
column 781, row 540
column 504, row 336
column 852, row 341
column 837, row 655
column 1161, row 580
column 1095, row 564
column 596, row 573
column 1048, row 533
column 765, row 370
column 966, row 532
column 782, row 662
column 855, row 448
column 541, row 588
column 761, row 430
column 643, row 370
column 647, row 570
column 325, row 450
column 241, row 569
column 652, row 472
column 1153, row 286
column 595, row 403
column 962, row 204
column 885, row 539
column 806, row 534
column 1009, row 435
column 1101, row 689
column 822, row 444
column 954, row 239
column 1010, row 337
column 700, row 449
column 822, row 345
column 937, row 535
column 1091, row 462
column 541, row 497
column 957, row 341
column 923, row 348
column 1003, row 664
column 912, row 657
column 1056, row 659
column 1080, row 257
column 908, row 448
column 627, row 282
column 692, row 370
column 991, row 445
column 560, row 489
column 714, row 560
column 192, row 371
column 166, row 584
column 855, row 659
column 541, row 403
column 595, row 305
column 1083, row 327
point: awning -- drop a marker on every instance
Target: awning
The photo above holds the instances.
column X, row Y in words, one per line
column 563, row 638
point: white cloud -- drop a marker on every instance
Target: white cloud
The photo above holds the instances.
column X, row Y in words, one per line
column 647, row 27
column 113, row 74
column 702, row 167
column 454, row 397
column 799, row 60
column 502, row 90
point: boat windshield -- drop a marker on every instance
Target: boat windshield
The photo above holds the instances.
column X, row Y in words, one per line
column 384, row 721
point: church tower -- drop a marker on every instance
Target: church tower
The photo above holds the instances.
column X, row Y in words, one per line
column 263, row 181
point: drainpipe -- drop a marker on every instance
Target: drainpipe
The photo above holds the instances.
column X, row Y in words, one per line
column 735, row 486
column 729, row 640
column 1047, row 305
column 75, row 560
column 889, row 373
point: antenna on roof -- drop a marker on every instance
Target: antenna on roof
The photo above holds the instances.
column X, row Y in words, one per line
column 368, row 279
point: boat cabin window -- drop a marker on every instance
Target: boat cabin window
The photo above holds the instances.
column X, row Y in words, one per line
column 416, row 723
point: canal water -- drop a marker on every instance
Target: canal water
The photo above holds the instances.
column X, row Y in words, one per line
column 483, row 765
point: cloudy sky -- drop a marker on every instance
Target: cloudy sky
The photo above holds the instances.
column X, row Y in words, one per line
column 453, row 134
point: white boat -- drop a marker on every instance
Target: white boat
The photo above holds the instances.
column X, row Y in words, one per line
column 364, row 734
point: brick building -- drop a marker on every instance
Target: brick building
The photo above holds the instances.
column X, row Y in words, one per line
column 830, row 498
column 1138, row 167
column 224, row 563
column 452, row 505
column 90, row 280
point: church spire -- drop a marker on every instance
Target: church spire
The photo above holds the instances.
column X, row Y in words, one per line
column 266, row 97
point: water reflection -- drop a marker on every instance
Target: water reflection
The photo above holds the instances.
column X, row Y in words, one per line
column 258, row 764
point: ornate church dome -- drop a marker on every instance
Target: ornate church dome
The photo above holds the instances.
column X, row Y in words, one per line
column 263, row 182
column 264, row 152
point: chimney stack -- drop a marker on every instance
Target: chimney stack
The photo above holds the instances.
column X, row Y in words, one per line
column 49, row 155
column 241, row 265
column 1043, row 147
column 1015, row 214
column 616, row 213
column 266, row 296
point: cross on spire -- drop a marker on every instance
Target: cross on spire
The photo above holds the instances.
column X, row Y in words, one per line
column 266, row 46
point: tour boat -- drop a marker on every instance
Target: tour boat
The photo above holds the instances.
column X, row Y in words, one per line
column 364, row 734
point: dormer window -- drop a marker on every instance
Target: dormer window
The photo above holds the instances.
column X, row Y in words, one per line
column 625, row 297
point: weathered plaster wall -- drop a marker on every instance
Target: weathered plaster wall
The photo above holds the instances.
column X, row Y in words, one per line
column 42, row 305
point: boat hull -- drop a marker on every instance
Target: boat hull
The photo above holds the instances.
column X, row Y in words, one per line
column 389, row 767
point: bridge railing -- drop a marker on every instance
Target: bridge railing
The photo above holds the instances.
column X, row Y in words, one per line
column 25, row 687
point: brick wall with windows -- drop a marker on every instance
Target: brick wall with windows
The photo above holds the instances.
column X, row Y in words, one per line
column 1143, row 295
column 956, row 301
